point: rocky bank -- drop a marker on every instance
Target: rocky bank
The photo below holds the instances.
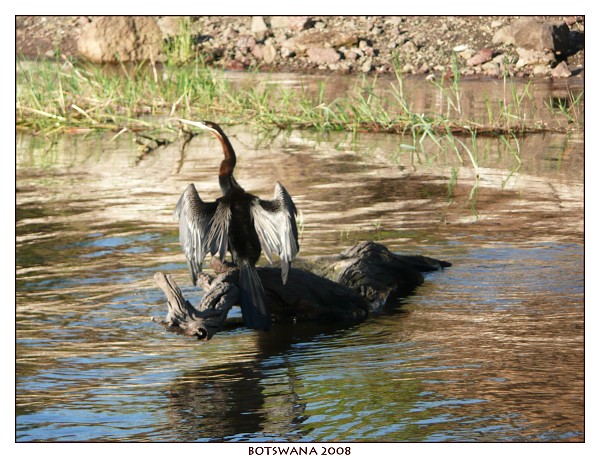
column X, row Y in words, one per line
column 543, row 46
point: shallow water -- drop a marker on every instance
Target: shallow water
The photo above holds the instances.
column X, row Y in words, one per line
column 490, row 349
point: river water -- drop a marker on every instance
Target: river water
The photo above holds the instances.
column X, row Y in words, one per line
column 491, row 349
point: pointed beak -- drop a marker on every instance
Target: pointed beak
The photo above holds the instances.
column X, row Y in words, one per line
column 199, row 124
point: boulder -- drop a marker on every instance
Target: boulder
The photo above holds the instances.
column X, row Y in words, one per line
column 110, row 39
column 533, row 34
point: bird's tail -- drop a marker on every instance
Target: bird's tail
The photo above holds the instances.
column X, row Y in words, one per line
column 252, row 297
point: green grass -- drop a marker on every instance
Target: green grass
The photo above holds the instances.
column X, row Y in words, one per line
column 69, row 95
column 569, row 107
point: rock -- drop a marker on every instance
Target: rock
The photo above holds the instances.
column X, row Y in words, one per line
column 501, row 58
column 294, row 23
column 369, row 51
column 408, row 68
column 466, row 54
column 269, row 53
column 258, row 51
column 266, row 53
column 323, row 56
column 402, row 38
column 280, row 22
column 235, row 65
column 367, row 66
column 491, row 65
column 170, row 25
column 230, row 34
column 351, row 55
column 286, row 53
column 540, row 70
column 258, row 25
column 491, row 68
column 409, row 46
column 531, row 57
column 246, row 43
column 319, row 39
column 121, row 38
column 570, row 20
column 484, row 55
column 394, row 20
column 561, row 71
column 533, row 34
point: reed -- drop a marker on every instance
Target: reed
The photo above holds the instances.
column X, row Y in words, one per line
column 69, row 95
column 64, row 95
column 569, row 107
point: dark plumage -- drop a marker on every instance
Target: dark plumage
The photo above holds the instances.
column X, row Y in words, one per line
column 241, row 223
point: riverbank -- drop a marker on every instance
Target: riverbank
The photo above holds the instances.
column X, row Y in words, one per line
column 551, row 47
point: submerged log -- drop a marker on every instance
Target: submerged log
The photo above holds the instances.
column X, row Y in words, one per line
column 344, row 287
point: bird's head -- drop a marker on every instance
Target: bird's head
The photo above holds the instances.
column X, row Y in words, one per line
column 206, row 125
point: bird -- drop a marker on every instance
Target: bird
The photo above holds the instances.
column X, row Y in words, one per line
column 241, row 223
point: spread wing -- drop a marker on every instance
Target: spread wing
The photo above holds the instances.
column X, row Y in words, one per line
column 203, row 228
column 275, row 224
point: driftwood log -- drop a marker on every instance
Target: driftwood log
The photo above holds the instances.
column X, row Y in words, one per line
column 344, row 287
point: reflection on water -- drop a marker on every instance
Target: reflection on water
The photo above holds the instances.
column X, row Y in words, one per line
column 488, row 350
column 480, row 100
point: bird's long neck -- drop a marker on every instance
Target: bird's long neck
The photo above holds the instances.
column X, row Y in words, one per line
column 226, row 179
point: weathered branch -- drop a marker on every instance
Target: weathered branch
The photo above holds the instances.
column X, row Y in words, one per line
column 343, row 287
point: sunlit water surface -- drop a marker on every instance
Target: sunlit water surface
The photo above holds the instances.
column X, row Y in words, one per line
column 490, row 349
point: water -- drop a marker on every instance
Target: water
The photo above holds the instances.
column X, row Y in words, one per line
column 490, row 349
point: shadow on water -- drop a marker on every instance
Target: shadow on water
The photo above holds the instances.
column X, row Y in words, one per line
column 488, row 350
column 229, row 401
